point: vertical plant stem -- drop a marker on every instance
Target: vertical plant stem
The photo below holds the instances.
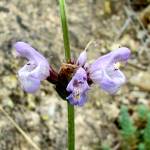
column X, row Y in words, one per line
column 71, row 129
column 65, row 30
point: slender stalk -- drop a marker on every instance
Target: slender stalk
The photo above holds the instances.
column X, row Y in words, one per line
column 71, row 129
column 65, row 29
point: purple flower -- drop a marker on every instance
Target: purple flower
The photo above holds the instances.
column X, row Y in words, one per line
column 105, row 70
column 78, row 88
column 36, row 70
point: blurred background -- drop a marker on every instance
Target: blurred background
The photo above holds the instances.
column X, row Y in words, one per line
column 43, row 116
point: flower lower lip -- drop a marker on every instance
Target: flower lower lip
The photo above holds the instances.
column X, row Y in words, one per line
column 77, row 97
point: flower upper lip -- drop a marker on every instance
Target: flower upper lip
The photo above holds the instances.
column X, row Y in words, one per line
column 118, row 55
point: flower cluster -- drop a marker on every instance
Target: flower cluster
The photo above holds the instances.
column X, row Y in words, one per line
column 104, row 71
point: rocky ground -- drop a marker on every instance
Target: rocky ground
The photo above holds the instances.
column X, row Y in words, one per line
column 110, row 23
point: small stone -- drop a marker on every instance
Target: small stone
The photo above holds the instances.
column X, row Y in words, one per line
column 31, row 101
column 45, row 117
column 127, row 40
column 33, row 119
column 112, row 111
column 107, row 7
column 145, row 16
column 8, row 102
column 4, row 93
column 142, row 80
column 51, row 110
column 10, row 81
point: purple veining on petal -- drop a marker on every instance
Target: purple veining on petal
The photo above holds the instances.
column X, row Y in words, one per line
column 36, row 70
column 82, row 58
column 78, row 88
column 105, row 74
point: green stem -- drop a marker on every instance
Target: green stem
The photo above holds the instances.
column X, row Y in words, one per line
column 71, row 129
column 65, row 30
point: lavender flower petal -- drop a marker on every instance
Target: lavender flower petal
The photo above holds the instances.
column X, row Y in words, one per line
column 82, row 58
column 28, row 52
column 112, row 83
column 36, row 70
column 118, row 55
column 81, row 102
column 29, row 83
column 104, row 72
column 78, row 88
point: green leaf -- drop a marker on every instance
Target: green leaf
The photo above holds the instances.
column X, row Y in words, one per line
column 142, row 111
column 147, row 133
column 128, row 129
